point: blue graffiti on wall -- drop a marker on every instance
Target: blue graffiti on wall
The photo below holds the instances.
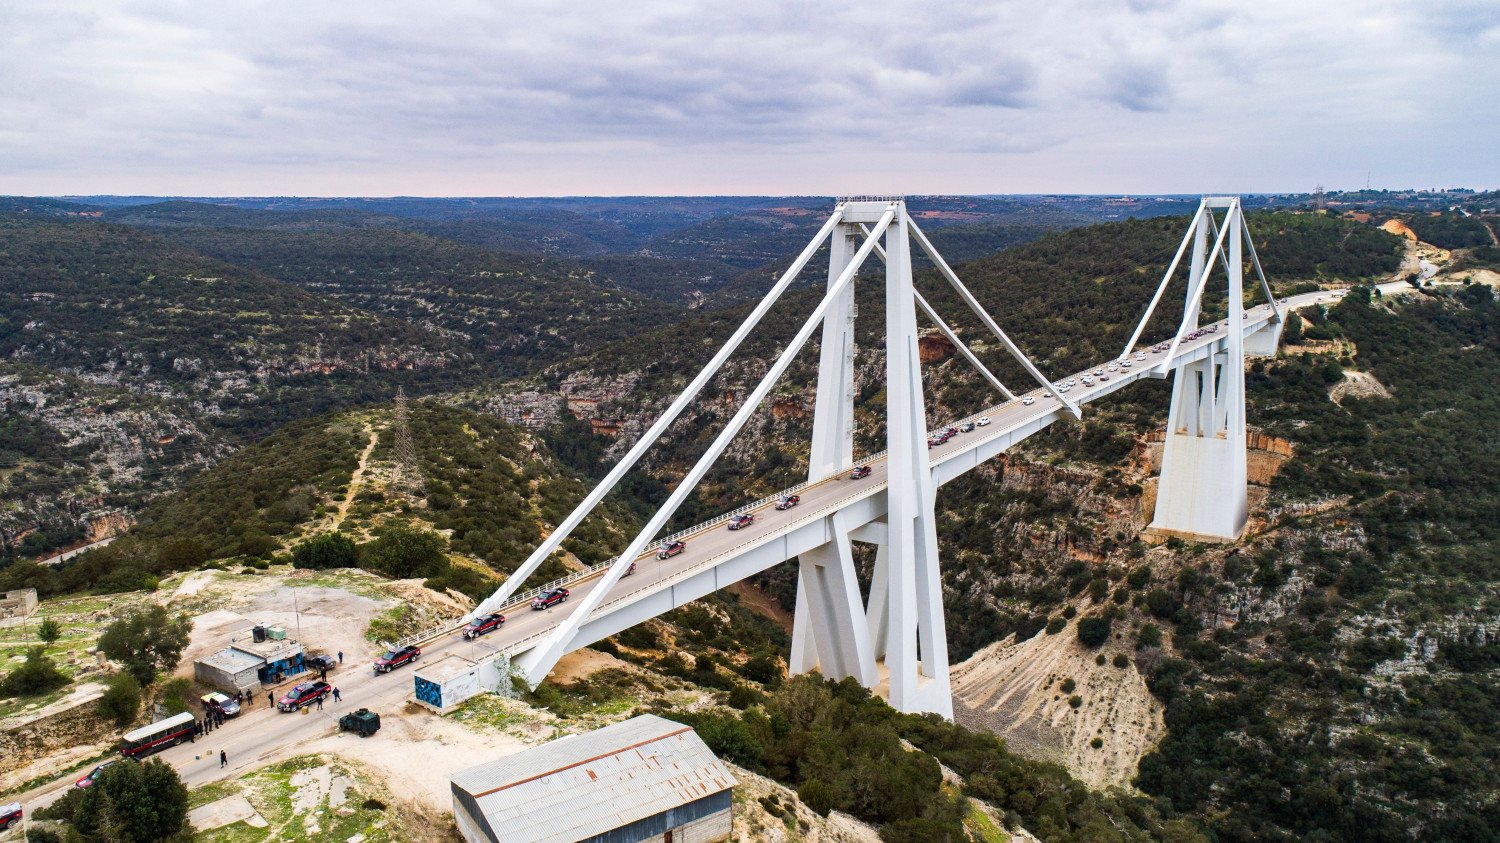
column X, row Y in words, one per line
column 429, row 692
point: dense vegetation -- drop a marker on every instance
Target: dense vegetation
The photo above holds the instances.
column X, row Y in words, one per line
column 133, row 310
column 843, row 749
column 1332, row 721
column 513, row 312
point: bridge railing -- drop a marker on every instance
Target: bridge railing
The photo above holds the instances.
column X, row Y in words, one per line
column 525, row 597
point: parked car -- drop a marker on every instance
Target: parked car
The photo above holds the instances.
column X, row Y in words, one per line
column 860, row 472
column 548, row 599
column 481, row 626
column 10, row 814
column 788, row 502
column 322, row 661
column 740, row 522
column 223, row 702
column 396, row 658
column 670, row 549
column 304, row 695
column 93, row 775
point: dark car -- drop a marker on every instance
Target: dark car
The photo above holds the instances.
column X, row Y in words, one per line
column 303, row 695
column 480, row 626
column 550, row 598
column 322, row 662
column 396, row 658
column 965, row 427
column 788, row 502
column 9, row 815
column 859, row 472
column 93, row 775
column 629, row 571
column 740, row 522
column 671, row 549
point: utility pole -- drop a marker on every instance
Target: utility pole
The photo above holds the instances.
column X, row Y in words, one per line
column 408, row 473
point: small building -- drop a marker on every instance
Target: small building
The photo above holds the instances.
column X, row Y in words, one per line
column 443, row 685
column 18, row 603
column 646, row 779
column 248, row 663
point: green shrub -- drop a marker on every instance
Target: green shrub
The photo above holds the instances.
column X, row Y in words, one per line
column 37, row 675
column 1056, row 625
column 1121, row 660
column 121, row 700
column 1093, row 632
column 817, row 796
column 1068, row 685
column 402, row 551
column 49, row 631
column 1075, row 701
column 329, row 550
column 1096, row 743
column 1149, row 636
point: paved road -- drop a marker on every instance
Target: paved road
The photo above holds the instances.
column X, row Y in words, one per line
column 261, row 733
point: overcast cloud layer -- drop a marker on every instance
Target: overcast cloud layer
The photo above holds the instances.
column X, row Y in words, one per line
column 647, row 97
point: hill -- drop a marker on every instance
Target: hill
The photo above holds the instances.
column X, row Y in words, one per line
column 514, row 313
column 126, row 308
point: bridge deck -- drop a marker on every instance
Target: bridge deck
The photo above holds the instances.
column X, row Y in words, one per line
column 714, row 546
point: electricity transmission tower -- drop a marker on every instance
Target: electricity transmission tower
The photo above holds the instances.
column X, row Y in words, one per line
column 408, row 474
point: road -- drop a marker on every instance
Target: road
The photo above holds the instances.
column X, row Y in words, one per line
column 260, row 734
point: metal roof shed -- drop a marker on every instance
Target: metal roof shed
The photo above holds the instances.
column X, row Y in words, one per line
column 644, row 779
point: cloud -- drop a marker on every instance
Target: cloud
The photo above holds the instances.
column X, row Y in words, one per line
column 667, row 96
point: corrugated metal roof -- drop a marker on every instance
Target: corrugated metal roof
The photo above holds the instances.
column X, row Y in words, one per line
column 579, row 786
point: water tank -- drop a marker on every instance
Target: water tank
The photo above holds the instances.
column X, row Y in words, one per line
column 277, row 633
column 258, row 634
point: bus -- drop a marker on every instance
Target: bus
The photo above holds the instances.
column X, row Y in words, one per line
column 158, row 736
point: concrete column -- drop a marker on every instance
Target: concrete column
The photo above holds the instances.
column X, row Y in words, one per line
column 1203, row 490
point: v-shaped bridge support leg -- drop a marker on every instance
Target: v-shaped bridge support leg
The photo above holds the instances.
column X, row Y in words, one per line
column 829, row 631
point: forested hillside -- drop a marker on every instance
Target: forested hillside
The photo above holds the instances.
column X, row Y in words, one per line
column 514, row 313
column 121, row 307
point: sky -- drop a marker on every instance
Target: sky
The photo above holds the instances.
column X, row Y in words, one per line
column 517, row 98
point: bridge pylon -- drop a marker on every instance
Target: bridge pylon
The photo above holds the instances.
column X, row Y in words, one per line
column 837, row 631
column 1202, row 493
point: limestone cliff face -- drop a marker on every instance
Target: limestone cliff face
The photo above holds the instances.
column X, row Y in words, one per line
column 1016, row 690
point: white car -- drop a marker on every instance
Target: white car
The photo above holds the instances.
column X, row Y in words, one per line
column 1098, row 371
column 1072, row 381
column 1028, row 400
column 982, row 421
column 1126, row 364
column 1046, row 395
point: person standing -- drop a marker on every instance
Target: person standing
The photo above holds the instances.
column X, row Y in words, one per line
column 341, row 656
column 320, row 703
column 271, row 699
column 223, row 759
column 336, row 697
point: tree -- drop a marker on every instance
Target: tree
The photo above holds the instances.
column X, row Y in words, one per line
column 1292, row 333
column 1093, row 632
column 37, row 675
column 402, row 551
column 133, row 803
column 49, row 631
column 146, row 641
column 329, row 550
column 121, row 701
